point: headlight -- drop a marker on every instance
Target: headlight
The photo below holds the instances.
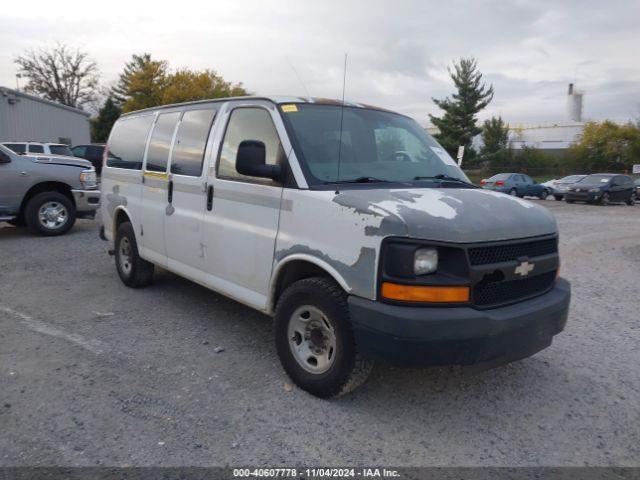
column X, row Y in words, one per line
column 425, row 261
column 88, row 177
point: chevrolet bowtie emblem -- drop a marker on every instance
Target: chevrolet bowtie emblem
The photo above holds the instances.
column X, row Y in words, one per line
column 524, row 268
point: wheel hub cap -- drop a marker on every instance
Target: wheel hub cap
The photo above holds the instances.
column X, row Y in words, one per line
column 52, row 215
column 312, row 339
column 125, row 256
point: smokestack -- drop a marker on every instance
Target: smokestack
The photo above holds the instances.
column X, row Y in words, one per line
column 574, row 104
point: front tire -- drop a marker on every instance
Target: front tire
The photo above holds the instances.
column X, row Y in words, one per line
column 558, row 197
column 606, row 199
column 544, row 194
column 632, row 200
column 315, row 341
column 50, row 214
column 133, row 270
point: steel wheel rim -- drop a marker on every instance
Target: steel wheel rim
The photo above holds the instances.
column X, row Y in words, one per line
column 53, row 215
column 312, row 339
column 605, row 199
column 513, row 192
column 124, row 257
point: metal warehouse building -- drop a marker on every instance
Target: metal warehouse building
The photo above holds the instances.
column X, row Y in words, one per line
column 25, row 117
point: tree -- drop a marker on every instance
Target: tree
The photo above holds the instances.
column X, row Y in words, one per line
column 61, row 74
column 607, row 146
column 141, row 83
column 147, row 83
column 495, row 136
column 495, row 149
column 188, row 85
column 101, row 125
column 458, row 124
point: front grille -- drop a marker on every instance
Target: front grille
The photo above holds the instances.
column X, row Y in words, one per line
column 513, row 251
column 495, row 293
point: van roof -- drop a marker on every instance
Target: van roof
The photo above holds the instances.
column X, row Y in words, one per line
column 277, row 99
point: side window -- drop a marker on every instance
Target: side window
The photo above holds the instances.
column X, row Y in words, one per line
column 517, row 178
column 17, row 147
column 127, row 142
column 79, row 151
column 527, row 179
column 160, row 143
column 248, row 124
column 36, row 149
column 191, row 141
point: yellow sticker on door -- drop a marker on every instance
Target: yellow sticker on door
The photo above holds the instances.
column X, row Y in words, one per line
column 289, row 108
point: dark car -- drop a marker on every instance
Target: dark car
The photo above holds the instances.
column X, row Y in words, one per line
column 636, row 183
column 516, row 184
column 92, row 152
column 602, row 188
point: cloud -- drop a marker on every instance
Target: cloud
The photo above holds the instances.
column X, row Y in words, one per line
column 398, row 51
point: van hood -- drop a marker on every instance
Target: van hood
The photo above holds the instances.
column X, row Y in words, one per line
column 450, row 215
column 62, row 160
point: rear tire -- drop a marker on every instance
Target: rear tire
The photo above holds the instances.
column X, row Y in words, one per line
column 632, row 200
column 558, row 197
column 50, row 214
column 606, row 199
column 134, row 271
column 513, row 192
column 315, row 341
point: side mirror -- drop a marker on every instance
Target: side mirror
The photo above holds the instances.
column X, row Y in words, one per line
column 4, row 158
column 251, row 161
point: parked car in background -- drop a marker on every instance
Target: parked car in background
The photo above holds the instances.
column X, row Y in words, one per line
column 92, row 152
column 636, row 183
column 38, row 148
column 558, row 188
column 602, row 188
column 515, row 184
column 47, row 193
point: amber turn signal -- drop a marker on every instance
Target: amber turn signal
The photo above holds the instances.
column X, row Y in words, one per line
column 421, row 293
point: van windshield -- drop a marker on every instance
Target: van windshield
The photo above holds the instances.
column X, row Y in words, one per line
column 374, row 145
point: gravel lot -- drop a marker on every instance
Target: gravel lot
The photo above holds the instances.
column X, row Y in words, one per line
column 94, row 373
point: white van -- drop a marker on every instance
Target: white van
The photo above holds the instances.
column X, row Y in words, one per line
column 347, row 223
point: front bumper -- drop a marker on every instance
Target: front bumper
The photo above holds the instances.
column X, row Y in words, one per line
column 459, row 335
column 87, row 202
column 583, row 196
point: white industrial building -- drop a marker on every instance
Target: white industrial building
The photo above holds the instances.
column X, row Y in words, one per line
column 25, row 117
column 552, row 138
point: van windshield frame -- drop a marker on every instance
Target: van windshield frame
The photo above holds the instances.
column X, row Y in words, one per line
column 379, row 148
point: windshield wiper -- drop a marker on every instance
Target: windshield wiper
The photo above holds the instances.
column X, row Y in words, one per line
column 442, row 176
column 359, row 180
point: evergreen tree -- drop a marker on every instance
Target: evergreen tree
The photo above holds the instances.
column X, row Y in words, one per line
column 141, row 83
column 458, row 124
column 102, row 124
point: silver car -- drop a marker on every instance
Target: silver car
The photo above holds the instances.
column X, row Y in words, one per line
column 559, row 187
column 46, row 193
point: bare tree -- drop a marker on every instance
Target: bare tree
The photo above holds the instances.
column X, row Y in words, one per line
column 61, row 74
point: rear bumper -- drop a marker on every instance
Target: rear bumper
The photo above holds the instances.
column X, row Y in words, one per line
column 87, row 202
column 459, row 336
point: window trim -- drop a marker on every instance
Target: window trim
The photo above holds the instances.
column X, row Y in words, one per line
column 274, row 183
column 206, row 142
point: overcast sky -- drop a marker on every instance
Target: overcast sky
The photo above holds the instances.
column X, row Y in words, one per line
column 398, row 50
